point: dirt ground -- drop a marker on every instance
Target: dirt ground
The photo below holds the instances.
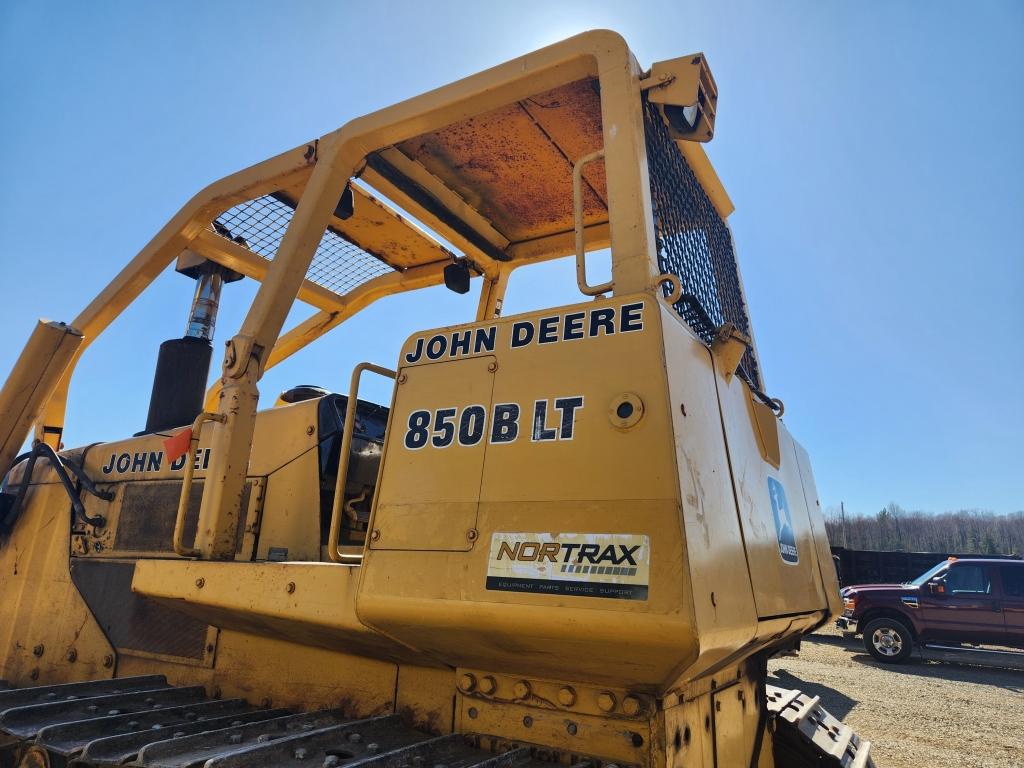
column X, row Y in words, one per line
column 921, row 714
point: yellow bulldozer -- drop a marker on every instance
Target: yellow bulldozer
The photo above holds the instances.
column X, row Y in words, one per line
column 573, row 536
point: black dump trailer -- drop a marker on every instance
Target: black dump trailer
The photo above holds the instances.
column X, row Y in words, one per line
column 869, row 566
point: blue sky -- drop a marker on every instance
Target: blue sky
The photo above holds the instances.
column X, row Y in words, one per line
column 874, row 151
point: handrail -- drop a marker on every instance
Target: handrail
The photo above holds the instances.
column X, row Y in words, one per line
column 348, row 431
column 186, row 483
column 577, row 224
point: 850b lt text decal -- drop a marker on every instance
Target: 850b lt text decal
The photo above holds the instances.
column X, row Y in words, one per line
column 552, row 419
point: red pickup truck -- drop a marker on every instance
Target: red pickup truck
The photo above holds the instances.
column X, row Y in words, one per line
column 958, row 601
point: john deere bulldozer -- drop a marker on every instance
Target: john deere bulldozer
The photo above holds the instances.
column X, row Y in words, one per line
column 573, row 536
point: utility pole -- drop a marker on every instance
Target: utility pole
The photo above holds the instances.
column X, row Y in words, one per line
column 842, row 516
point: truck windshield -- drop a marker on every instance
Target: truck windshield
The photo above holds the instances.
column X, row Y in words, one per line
column 931, row 572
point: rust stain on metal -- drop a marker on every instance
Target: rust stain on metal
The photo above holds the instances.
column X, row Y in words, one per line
column 514, row 164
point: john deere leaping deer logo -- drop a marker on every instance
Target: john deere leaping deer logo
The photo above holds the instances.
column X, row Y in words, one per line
column 783, row 522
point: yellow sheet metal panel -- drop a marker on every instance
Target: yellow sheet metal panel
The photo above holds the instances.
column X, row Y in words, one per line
column 271, row 672
column 426, row 698
column 541, row 636
column 42, row 617
column 572, row 368
column 307, row 603
column 735, row 723
column 579, row 490
column 829, row 577
column 621, row 741
column 429, row 488
column 141, row 458
column 290, row 524
column 782, row 553
column 688, row 733
column 281, row 435
column 723, row 601
column 558, row 378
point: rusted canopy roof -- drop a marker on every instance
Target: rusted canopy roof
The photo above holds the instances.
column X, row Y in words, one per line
column 497, row 179
column 495, row 184
column 514, row 164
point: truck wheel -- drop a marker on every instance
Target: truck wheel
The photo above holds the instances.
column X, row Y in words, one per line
column 888, row 640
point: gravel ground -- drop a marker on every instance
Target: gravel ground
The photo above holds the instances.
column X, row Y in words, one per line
column 921, row 714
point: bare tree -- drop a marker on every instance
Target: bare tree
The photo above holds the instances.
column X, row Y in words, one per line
column 969, row 531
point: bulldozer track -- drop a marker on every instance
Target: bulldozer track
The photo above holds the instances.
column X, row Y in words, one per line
column 806, row 734
column 144, row 721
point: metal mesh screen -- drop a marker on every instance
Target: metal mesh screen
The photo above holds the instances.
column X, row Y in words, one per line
column 693, row 242
column 337, row 265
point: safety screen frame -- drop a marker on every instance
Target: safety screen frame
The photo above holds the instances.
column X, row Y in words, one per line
column 338, row 264
column 694, row 243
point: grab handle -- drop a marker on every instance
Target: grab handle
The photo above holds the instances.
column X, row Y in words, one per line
column 348, row 431
column 186, row 484
column 577, row 223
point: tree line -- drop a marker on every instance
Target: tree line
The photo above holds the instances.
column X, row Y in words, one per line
column 967, row 531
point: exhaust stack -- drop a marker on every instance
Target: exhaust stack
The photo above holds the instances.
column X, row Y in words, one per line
column 183, row 365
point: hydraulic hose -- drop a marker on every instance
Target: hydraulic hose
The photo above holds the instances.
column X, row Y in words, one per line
column 42, row 450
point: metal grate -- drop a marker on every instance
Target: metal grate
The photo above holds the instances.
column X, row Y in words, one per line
column 693, row 242
column 149, row 511
column 337, row 265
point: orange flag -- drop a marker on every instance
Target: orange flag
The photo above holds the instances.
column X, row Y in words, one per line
column 177, row 446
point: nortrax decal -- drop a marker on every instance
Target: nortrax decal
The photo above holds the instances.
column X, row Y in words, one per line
column 572, row 326
column 611, row 565
column 552, row 420
column 150, row 461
